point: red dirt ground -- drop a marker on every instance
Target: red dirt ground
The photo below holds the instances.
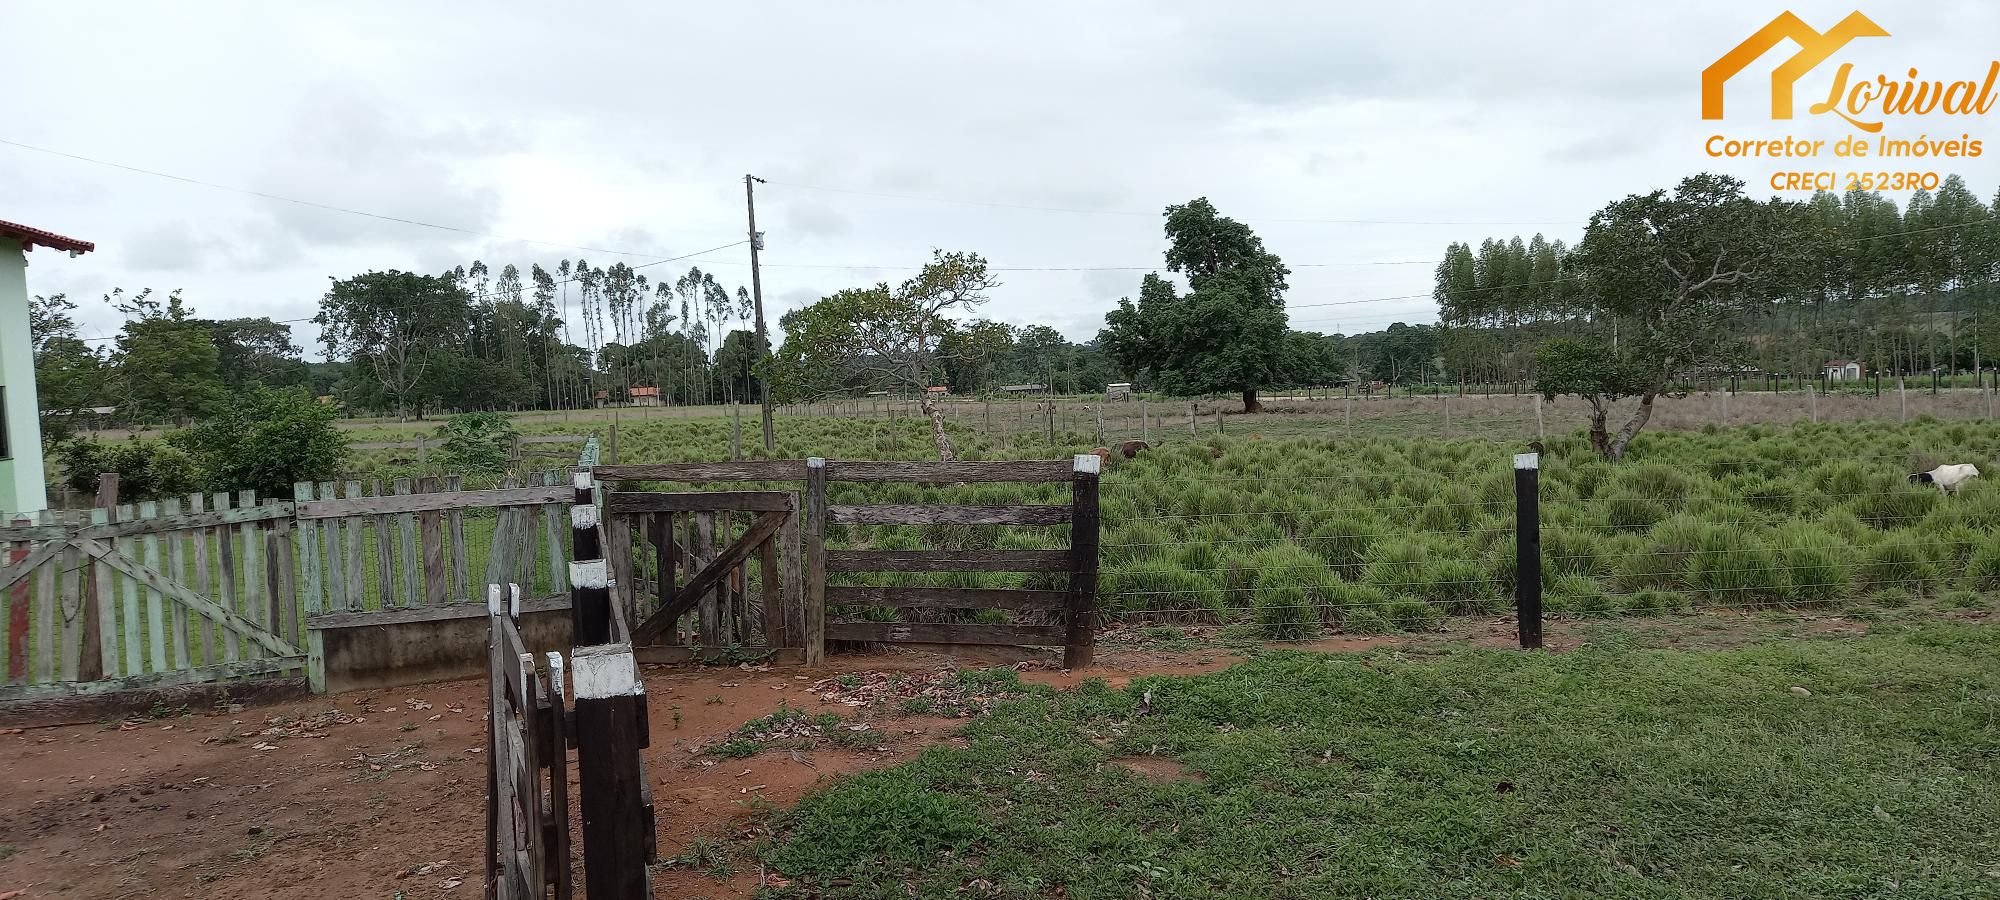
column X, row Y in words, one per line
column 380, row 794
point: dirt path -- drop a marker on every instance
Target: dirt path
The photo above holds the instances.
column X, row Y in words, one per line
column 380, row 794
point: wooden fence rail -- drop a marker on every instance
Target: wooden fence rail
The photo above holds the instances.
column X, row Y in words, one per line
column 216, row 587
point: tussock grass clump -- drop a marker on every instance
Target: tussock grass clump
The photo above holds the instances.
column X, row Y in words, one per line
column 1818, row 565
column 1571, row 551
column 1982, row 570
column 1626, row 512
column 1896, row 563
column 1735, row 569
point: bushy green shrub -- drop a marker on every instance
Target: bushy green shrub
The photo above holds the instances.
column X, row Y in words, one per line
column 476, row 444
column 1575, row 594
column 146, row 469
column 1570, row 551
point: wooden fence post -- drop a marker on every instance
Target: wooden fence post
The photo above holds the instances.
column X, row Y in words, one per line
column 815, row 540
column 1528, row 549
column 618, row 837
column 1080, row 641
column 589, row 579
column 90, row 659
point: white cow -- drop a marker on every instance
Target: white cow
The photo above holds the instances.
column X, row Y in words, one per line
column 1947, row 477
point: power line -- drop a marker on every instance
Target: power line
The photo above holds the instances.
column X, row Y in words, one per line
column 317, row 205
column 1149, row 214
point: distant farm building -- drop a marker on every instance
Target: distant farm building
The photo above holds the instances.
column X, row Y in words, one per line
column 1120, row 391
column 1842, row 370
column 938, row 391
column 645, row 396
column 1024, row 388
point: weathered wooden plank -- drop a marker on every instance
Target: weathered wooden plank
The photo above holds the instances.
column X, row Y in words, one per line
column 356, row 576
column 286, row 597
column 107, row 607
column 117, row 559
column 14, row 573
column 525, row 553
column 816, row 513
column 162, row 524
column 708, row 601
column 496, row 550
column 791, row 581
column 35, row 533
column 133, row 622
column 46, row 602
column 268, row 610
column 385, row 550
column 369, row 506
column 198, row 675
column 177, row 616
column 921, row 472
column 696, row 501
column 67, row 708
column 455, row 524
column 947, row 560
column 696, row 473
column 618, row 558
column 705, row 581
column 156, row 608
column 198, row 628
column 371, row 618
column 74, row 618
column 306, row 543
column 253, row 606
column 895, row 632
column 336, row 533
column 552, row 537
column 225, row 584
column 430, row 524
column 912, row 514
column 660, row 532
column 946, row 598
column 770, row 595
column 406, row 546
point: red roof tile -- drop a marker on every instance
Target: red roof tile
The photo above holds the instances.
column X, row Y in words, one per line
column 31, row 238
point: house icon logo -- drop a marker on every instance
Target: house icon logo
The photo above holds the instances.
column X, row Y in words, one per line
column 1814, row 48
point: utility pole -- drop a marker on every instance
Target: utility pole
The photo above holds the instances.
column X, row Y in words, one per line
column 757, row 296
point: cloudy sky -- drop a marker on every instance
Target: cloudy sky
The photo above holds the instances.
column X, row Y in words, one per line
column 1048, row 137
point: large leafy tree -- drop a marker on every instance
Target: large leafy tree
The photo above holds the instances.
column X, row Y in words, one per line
column 256, row 351
column 900, row 337
column 1670, row 272
column 167, row 361
column 69, row 374
column 394, row 326
column 1227, row 333
column 266, row 440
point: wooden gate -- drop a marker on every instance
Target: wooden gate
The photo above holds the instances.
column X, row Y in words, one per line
column 1058, row 609
column 712, row 572
column 527, row 810
column 152, row 595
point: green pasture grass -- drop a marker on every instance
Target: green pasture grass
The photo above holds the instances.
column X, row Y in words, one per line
column 1852, row 768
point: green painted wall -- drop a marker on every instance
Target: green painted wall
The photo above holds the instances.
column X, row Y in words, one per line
column 22, row 485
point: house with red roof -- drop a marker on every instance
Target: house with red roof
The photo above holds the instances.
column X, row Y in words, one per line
column 23, row 485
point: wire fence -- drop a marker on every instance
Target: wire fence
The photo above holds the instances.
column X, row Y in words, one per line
column 1413, row 536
